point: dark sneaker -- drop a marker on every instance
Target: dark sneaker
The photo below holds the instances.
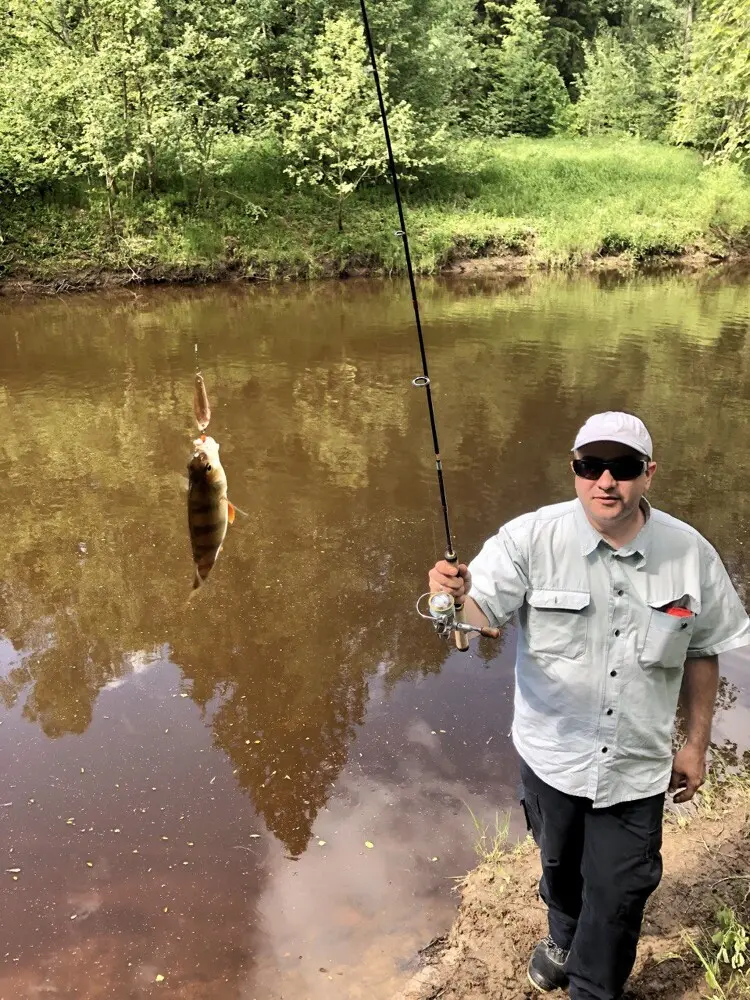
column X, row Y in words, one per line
column 546, row 970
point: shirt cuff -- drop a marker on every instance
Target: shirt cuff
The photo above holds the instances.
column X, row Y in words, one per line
column 488, row 612
column 735, row 642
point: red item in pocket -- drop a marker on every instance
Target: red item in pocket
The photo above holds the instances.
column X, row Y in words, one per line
column 680, row 612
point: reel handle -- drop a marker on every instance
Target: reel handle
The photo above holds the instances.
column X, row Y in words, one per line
column 490, row 633
column 461, row 638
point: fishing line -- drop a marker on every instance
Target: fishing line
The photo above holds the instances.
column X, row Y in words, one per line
column 422, row 381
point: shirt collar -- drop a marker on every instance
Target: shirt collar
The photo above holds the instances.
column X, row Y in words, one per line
column 590, row 538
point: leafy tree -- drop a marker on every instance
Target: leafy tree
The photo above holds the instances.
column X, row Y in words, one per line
column 333, row 137
column 608, row 86
column 714, row 106
column 625, row 90
column 526, row 93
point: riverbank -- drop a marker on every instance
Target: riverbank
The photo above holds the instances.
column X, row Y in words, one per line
column 515, row 205
column 702, row 903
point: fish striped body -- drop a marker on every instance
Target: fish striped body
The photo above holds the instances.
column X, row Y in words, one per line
column 209, row 511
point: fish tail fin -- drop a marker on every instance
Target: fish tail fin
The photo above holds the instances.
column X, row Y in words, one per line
column 197, row 584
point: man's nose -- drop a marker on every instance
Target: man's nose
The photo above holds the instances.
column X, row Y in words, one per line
column 606, row 481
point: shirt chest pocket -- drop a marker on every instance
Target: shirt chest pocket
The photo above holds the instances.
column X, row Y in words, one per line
column 666, row 640
column 557, row 622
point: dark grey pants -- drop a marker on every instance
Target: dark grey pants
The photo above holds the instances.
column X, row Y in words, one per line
column 599, row 866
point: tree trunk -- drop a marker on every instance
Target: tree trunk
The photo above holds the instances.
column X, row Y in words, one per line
column 109, row 181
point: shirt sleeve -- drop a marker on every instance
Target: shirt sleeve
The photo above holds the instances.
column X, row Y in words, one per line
column 723, row 623
column 499, row 578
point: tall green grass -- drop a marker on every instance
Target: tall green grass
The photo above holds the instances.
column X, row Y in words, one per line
column 561, row 201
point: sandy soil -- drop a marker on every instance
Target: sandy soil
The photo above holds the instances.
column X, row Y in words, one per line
column 706, row 863
column 506, row 264
column 499, row 266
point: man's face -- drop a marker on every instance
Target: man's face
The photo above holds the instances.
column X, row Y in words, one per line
column 608, row 501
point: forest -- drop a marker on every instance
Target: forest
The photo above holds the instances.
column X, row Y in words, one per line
column 246, row 132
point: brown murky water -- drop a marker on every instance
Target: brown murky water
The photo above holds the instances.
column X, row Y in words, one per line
column 188, row 793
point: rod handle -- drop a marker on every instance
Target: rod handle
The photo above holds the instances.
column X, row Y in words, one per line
column 461, row 638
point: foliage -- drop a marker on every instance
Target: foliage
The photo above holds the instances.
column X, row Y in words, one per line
column 137, row 111
column 526, row 92
column 714, row 108
column 333, row 136
column 724, row 956
column 625, row 88
column 562, row 200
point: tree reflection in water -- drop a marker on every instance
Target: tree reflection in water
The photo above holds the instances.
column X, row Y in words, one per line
column 326, row 446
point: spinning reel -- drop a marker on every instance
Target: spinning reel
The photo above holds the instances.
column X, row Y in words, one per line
column 443, row 615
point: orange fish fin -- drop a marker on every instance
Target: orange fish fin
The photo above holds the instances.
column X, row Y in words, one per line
column 230, row 511
column 236, row 510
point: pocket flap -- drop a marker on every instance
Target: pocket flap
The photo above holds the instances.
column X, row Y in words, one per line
column 670, row 623
column 561, row 600
column 666, row 598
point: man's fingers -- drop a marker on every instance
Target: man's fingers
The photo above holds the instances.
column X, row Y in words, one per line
column 450, row 584
column 691, row 787
column 686, row 794
column 450, row 579
column 447, row 569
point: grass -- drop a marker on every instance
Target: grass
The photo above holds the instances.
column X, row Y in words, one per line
column 491, row 842
column 560, row 201
column 724, row 954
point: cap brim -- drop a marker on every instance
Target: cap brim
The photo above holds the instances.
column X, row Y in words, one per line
column 623, row 439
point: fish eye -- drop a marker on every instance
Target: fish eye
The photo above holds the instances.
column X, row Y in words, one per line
column 208, row 468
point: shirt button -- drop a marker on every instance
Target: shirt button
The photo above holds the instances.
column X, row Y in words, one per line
column 617, row 631
column 604, row 749
column 613, row 673
column 609, row 711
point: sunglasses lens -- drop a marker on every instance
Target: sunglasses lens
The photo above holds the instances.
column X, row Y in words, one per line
column 625, row 468
column 588, row 468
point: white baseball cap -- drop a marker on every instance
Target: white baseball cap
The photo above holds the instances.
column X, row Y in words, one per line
column 615, row 426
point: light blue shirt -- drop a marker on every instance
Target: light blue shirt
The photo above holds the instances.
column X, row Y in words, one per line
column 599, row 662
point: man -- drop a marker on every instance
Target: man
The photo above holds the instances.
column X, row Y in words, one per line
column 622, row 610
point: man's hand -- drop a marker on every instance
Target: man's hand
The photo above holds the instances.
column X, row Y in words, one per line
column 447, row 578
column 688, row 772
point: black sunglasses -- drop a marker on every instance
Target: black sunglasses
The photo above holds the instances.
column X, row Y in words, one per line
column 623, row 468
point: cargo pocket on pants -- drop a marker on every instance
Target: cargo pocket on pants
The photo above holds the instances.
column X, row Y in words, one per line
column 531, row 811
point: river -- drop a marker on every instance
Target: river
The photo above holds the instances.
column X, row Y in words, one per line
column 272, row 791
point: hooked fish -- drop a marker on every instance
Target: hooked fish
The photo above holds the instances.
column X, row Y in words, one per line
column 201, row 406
column 209, row 510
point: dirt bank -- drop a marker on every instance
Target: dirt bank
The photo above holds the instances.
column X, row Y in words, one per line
column 499, row 266
column 706, row 865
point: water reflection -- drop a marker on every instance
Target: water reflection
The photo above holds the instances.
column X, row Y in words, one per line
column 306, row 670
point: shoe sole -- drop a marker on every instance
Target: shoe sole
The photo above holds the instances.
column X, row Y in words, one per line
column 544, row 989
column 539, row 988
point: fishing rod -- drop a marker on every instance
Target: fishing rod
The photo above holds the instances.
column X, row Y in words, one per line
column 446, row 614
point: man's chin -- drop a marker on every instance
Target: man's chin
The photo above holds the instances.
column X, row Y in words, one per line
column 607, row 513
column 606, row 507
